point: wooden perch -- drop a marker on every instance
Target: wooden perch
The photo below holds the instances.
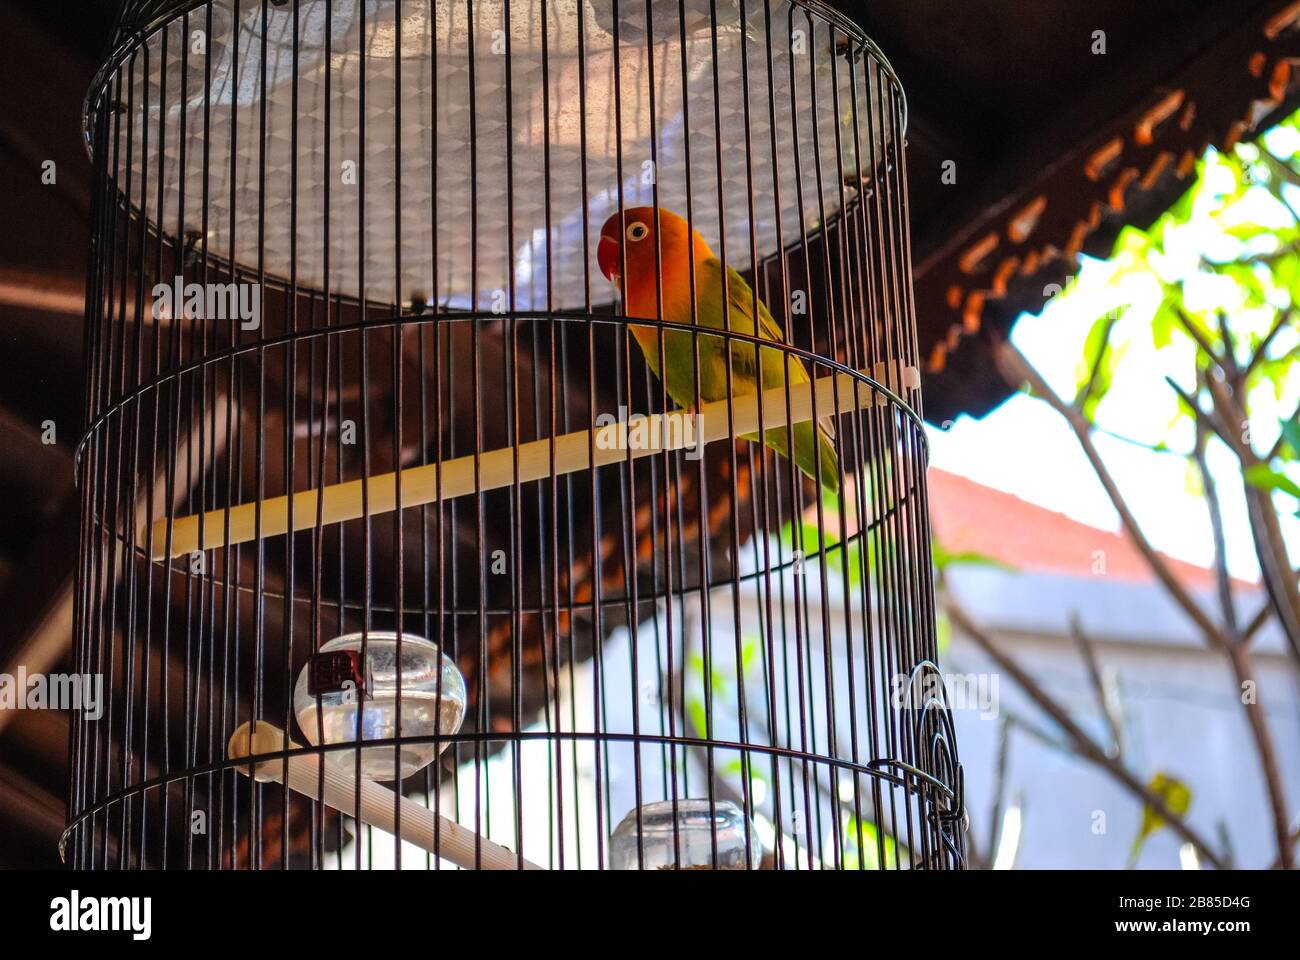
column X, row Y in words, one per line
column 419, row 825
column 494, row 469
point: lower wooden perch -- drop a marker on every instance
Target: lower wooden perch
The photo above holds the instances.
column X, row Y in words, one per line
column 494, row 469
column 420, row 825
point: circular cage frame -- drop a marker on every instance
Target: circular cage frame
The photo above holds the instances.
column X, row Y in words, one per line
column 171, row 607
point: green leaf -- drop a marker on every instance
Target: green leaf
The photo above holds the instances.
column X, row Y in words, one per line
column 1264, row 477
column 971, row 558
column 1291, row 435
column 699, row 723
column 1133, row 241
column 1096, row 345
column 808, row 538
column 872, row 842
column 1175, row 795
column 1104, row 378
column 1248, row 231
column 1286, row 273
column 1162, row 326
column 1182, row 209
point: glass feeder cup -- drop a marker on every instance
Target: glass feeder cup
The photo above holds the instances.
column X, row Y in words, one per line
column 696, row 822
column 352, row 698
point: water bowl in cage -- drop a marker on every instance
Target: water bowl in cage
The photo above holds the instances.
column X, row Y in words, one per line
column 679, row 836
column 338, row 695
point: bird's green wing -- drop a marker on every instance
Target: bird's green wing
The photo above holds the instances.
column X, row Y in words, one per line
column 741, row 301
column 742, row 306
column 745, row 314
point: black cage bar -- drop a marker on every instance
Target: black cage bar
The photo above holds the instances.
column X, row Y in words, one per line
column 382, row 449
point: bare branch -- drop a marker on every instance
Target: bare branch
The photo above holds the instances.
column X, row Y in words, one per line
column 1283, row 318
column 999, row 785
column 1295, row 838
column 1141, row 445
column 1208, row 420
column 1274, row 560
column 1231, row 417
column 1262, row 616
column 1244, row 668
column 1243, row 665
column 1187, row 323
column 1225, row 843
column 1231, row 369
column 1274, row 563
column 1283, row 171
column 1089, row 653
column 1221, row 576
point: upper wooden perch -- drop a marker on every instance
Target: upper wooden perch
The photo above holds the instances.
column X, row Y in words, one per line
column 494, row 469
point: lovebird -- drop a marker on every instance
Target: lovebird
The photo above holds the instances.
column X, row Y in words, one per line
column 678, row 246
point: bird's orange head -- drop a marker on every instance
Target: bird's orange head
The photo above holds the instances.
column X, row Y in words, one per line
column 628, row 245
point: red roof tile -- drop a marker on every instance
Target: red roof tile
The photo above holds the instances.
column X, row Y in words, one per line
column 967, row 516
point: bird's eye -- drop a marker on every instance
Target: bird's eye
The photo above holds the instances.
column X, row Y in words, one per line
column 637, row 231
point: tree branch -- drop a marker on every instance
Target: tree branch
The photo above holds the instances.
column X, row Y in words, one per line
column 1187, row 323
column 1295, row 838
column 1221, row 575
column 1258, row 357
column 1244, row 668
column 1208, row 420
column 1279, row 584
column 1283, row 171
column 1270, row 547
column 1262, row 616
column 1238, row 654
column 1099, row 687
column 999, row 787
column 1231, row 370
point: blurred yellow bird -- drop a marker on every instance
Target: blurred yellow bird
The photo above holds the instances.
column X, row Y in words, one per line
column 628, row 244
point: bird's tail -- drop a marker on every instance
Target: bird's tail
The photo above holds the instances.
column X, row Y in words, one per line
column 812, row 448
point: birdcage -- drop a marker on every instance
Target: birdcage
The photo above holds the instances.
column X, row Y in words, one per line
column 504, row 444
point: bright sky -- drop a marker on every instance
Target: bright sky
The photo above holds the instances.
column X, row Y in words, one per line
column 1026, row 449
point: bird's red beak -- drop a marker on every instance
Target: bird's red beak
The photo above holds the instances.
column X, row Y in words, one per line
column 607, row 256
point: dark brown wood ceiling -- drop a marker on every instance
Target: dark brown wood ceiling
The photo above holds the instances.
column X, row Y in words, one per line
column 1015, row 95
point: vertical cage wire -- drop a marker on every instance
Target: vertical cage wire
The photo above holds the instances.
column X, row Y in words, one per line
column 352, row 282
